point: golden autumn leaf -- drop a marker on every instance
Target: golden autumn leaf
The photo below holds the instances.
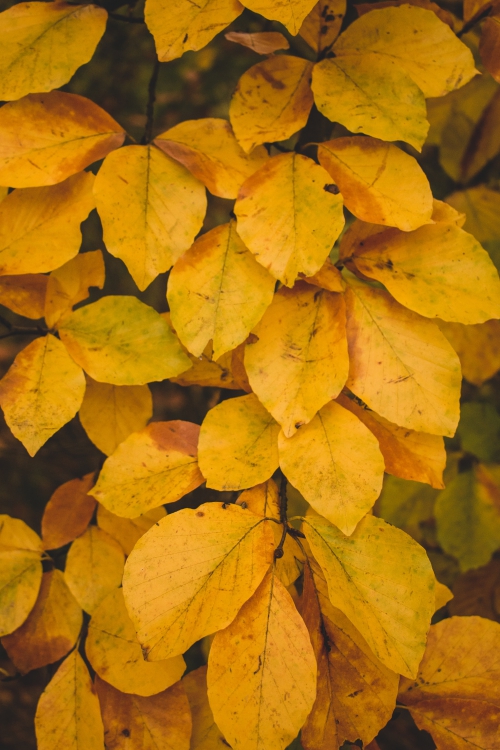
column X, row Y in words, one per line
column 42, row 390
column 489, row 46
column 154, row 466
column 238, row 445
column 296, row 358
column 208, row 148
column 401, row 365
column 456, row 697
column 40, row 227
column 114, row 652
column 321, row 26
column 379, row 182
column 217, row 291
column 382, row 580
column 151, row 209
column 328, row 277
column 444, row 15
column 71, row 284
column 356, row 694
column 287, row 218
column 34, row 153
column 443, row 595
column 20, row 572
column 127, row 531
column 477, row 592
column 110, row 413
column 68, row 712
column 133, row 722
column 181, row 25
column 262, row 671
column 51, row 629
column 346, row 476
column 290, row 13
column 122, row 341
column 478, row 348
column 207, row 372
column 411, row 455
column 24, row 294
column 206, row 734
column 481, row 206
column 190, row 573
column 43, row 44
column 68, row 512
column 94, row 567
column 272, row 101
column 262, row 42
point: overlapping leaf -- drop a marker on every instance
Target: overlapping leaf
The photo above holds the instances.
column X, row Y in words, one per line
column 68, row 512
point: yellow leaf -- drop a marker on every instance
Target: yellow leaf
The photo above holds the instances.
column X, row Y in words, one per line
column 290, row 13
column 132, row 722
column 34, row 153
column 24, row 294
column 272, row 101
column 206, row 734
column 443, row 595
column 122, row 341
column 489, row 47
column 114, row 652
column 208, row 148
column 110, row 413
column 262, row 671
column 481, row 206
column 217, row 291
column 68, row 715
column 408, row 454
column 328, row 277
column 20, row 572
column 441, row 13
column 456, row 696
column 443, row 212
column 40, row 227
column 322, row 25
column 356, row 693
column 438, row 270
column 379, row 182
column 238, row 445
column 180, row 25
column 42, row 390
column 43, row 44
column 401, row 365
column 127, row 531
column 368, row 95
column 68, row 512
column 296, row 359
column 478, row 348
column 154, row 466
column 151, row 209
column 287, row 219
column 345, row 478
column 262, row 42
column 70, row 284
column 51, row 629
column 190, row 573
column 94, row 568
column 382, row 580
column 206, row 372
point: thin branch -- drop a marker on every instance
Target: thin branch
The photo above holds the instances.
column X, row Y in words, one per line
column 150, row 109
column 278, row 552
column 14, row 331
column 127, row 19
column 472, row 21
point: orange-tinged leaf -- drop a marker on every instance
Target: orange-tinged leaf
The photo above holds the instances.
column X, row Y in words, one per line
column 181, row 25
column 481, row 206
column 122, row 341
column 68, row 512
column 477, row 592
column 132, row 722
column 456, row 695
column 217, row 291
column 262, row 671
column 287, row 219
column 238, row 445
column 154, row 466
column 379, row 182
column 356, row 694
column 443, row 595
column 24, row 294
column 345, row 478
column 206, row 734
column 401, row 365
column 51, row 629
column 151, row 209
column 94, row 567
column 328, row 277
column 43, row 44
column 68, row 712
column 272, row 101
column 114, row 652
column 207, row 372
column 190, row 573
column 407, row 454
column 290, row 13
column 296, row 359
column 42, row 390
column 322, row 25
column 478, row 348
column 34, row 153
column 40, row 227
column 441, row 13
column 71, row 283
column 382, row 580
column 445, row 212
column 127, row 531
column 489, row 46
column 262, row 42
column 208, row 148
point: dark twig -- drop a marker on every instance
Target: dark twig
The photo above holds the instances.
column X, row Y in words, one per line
column 13, row 330
column 150, row 109
column 127, row 19
column 475, row 19
column 278, row 552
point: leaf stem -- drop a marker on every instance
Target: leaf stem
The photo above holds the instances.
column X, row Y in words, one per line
column 475, row 19
column 127, row 19
column 278, row 552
